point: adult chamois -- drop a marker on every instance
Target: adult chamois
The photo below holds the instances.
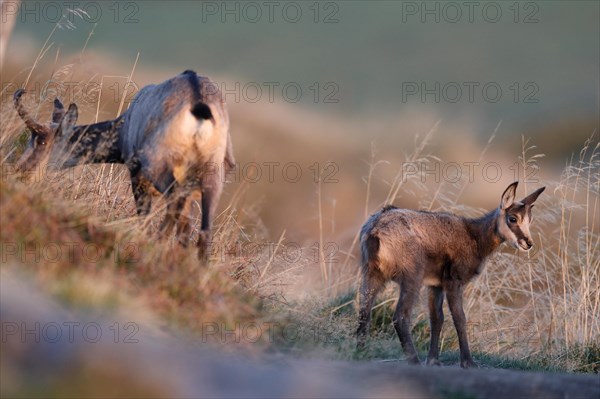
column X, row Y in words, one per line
column 173, row 138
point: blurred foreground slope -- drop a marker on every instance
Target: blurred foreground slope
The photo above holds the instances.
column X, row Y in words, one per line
column 161, row 367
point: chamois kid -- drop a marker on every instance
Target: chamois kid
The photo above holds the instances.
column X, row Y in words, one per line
column 440, row 250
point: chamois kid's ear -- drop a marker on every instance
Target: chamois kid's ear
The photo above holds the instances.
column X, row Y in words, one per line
column 530, row 199
column 508, row 197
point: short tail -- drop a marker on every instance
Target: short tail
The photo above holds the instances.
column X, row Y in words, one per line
column 369, row 241
column 388, row 208
column 368, row 250
column 202, row 111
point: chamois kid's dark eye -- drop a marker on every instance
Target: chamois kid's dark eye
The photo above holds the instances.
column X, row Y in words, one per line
column 512, row 219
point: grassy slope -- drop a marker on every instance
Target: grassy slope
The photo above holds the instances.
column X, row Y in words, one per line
column 86, row 263
column 169, row 284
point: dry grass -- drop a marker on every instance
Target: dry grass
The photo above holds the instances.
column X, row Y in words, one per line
column 540, row 307
column 545, row 304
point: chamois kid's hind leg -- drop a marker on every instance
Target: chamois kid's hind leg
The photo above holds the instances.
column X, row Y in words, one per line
column 436, row 320
column 371, row 283
column 409, row 292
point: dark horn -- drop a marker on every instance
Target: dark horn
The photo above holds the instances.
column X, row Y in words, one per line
column 24, row 114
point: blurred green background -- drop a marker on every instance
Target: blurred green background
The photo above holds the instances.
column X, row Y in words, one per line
column 370, row 50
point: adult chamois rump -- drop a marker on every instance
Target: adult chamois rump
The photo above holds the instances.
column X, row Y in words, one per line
column 440, row 250
column 174, row 138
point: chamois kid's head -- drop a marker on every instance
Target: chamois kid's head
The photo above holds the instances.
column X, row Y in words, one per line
column 514, row 218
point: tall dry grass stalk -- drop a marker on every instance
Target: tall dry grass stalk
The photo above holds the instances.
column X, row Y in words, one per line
column 9, row 17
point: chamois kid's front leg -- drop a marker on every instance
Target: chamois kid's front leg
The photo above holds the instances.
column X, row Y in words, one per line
column 454, row 293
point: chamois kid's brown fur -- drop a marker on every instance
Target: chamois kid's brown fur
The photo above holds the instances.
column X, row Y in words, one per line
column 440, row 250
